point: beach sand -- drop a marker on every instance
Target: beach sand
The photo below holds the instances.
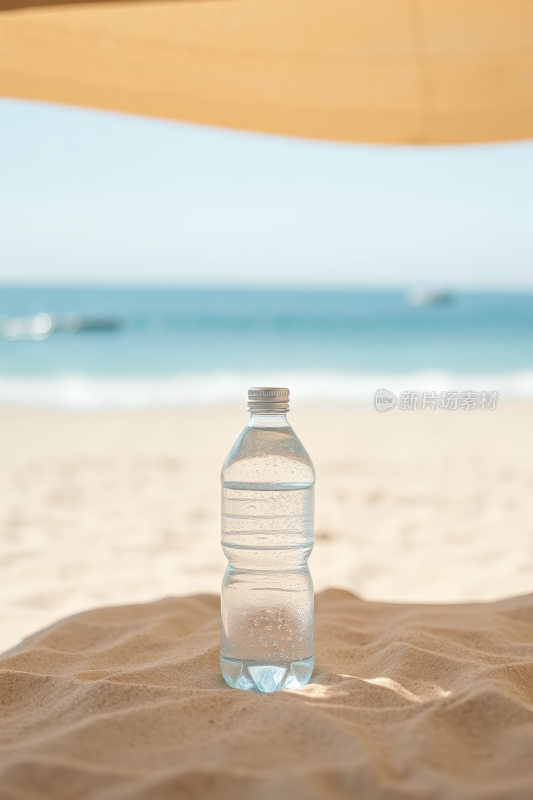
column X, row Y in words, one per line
column 118, row 507
column 405, row 702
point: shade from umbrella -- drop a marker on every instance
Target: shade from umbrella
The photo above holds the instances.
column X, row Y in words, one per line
column 398, row 71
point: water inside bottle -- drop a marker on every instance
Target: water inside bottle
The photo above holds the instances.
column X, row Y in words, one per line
column 267, row 610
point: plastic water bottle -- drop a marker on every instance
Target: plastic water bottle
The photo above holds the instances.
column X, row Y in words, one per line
column 267, row 536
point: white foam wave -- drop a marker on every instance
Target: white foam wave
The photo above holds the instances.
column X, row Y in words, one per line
column 201, row 389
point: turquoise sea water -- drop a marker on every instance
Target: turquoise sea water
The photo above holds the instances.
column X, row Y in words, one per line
column 174, row 346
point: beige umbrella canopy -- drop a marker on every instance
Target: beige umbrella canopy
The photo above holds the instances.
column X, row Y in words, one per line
column 399, row 71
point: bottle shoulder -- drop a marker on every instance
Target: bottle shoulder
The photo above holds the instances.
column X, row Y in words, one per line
column 268, row 456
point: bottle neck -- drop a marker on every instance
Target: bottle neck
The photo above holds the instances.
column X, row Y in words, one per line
column 268, row 419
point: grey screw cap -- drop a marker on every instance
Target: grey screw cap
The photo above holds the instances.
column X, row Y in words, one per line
column 268, row 398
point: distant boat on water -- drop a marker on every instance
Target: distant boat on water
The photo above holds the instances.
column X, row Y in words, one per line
column 429, row 297
column 41, row 326
column 101, row 324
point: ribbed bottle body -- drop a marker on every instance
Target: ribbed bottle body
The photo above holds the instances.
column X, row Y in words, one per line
column 267, row 537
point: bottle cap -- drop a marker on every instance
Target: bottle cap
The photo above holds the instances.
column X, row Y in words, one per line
column 268, row 398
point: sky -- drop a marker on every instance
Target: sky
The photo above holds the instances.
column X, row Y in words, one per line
column 95, row 197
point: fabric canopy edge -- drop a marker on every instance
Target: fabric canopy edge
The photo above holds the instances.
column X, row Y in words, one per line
column 380, row 129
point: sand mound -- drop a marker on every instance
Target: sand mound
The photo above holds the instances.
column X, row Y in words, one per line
column 405, row 702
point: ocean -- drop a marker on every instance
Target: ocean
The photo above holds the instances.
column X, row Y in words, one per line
column 97, row 347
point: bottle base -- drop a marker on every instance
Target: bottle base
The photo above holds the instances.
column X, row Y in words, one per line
column 264, row 677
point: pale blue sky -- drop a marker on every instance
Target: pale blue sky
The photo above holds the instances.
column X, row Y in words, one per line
column 89, row 196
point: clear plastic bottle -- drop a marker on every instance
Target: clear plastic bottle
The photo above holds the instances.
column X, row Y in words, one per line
column 267, row 536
